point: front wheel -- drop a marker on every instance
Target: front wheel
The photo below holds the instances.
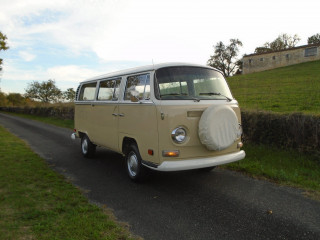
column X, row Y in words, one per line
column 88, row 149
column 134, row 167
column 207, row 169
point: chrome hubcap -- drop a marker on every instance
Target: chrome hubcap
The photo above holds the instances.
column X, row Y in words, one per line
column 84, row 146
column 132, row 164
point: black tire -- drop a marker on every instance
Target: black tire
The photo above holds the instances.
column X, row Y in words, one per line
column 88, row 149
column 134, row 167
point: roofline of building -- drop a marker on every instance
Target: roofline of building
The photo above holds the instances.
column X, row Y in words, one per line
column 288, row 49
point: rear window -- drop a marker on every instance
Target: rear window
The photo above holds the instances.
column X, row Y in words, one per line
column 87, row 92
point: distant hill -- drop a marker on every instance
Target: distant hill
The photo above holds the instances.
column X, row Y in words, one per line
column 294, row 88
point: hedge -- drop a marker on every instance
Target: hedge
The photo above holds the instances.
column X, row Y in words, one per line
column 63, row 112
column 294, row 131
column 290, row 131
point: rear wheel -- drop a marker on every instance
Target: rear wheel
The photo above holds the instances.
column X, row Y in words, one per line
column 88, row 149
column 134, row 167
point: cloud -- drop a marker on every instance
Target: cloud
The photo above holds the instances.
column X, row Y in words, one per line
column 113, row 30
column 66, row 76
column 71, row 73
column 26, row 56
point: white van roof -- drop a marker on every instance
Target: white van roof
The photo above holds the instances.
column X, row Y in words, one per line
column 145, row 69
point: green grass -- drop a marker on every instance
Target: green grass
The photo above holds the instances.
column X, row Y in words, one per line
column 38, row 203
column 289, row 89
column 281, row 166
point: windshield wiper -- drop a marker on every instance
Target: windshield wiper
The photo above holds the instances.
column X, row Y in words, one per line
column 173, row 94
column 216, row 94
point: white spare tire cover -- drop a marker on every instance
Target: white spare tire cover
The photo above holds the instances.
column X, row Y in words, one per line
column 218, row 127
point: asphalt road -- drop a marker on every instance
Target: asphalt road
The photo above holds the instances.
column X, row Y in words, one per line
column 186, row 205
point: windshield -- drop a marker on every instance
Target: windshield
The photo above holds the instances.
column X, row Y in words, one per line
column 182, row 83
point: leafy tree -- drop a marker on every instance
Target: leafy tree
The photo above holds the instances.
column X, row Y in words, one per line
column 3, row 99
column 16, row 99
column 3, row 45
column 224, row 57
column 69, row 95
column 282, row 42
column 314, row 39
column 45, row 92
column 239, row 64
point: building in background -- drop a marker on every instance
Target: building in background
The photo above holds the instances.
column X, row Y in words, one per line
column 265, row 61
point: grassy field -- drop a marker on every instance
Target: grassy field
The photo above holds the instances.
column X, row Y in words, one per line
column 38, row 203
column 281, row 166
column 289, row 89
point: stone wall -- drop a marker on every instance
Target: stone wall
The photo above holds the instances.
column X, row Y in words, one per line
column 261, row 62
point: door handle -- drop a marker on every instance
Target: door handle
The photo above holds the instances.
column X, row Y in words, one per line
column 121, row 115
column 114, row 114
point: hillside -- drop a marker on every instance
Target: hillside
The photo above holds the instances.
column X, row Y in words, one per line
column 294, row 88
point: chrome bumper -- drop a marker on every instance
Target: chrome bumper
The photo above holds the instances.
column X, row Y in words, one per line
column 168, row 166
column 73, row 136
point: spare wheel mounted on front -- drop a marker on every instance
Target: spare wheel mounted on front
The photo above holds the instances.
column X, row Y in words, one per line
column 219, row 127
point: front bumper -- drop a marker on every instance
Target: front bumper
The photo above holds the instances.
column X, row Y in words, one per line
column 168, row 166
column 73, row 136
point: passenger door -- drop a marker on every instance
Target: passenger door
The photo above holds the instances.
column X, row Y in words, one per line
column 137, row 116
column 105, row 111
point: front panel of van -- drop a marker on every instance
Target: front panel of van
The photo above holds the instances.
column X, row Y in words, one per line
column 187, row 114
column 183, row 94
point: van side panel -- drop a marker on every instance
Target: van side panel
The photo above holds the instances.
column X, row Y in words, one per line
column 139, row 121
column 99, row 123
column 105, row 125
column 82, row 118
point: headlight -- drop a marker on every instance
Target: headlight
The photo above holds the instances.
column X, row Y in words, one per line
column 179, row 135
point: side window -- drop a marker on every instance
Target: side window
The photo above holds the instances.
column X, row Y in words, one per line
column 116, row 89
column 106, row 89
column 87, row 92
column 109, row 90
column 138, row 85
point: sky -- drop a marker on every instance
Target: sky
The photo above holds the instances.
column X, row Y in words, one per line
column 70, row 41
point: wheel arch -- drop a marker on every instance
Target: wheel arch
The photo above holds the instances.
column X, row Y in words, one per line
column 126, row 143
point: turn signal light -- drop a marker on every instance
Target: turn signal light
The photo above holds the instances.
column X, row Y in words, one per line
column 239, row 145
column 174, row 153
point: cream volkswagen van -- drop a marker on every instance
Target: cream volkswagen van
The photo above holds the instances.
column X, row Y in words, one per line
column 166, row 117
